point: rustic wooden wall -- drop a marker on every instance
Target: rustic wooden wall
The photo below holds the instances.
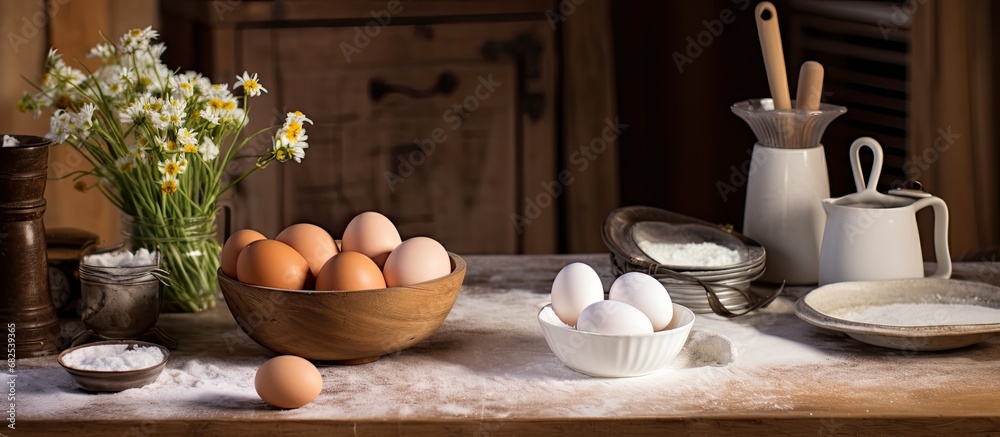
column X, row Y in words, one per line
column 73, row 27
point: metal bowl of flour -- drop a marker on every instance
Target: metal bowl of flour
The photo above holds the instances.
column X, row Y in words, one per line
column 114, row 380
column 638, row 235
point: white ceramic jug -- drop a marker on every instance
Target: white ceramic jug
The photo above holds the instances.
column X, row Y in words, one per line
column 783, row 211
column 873, row 236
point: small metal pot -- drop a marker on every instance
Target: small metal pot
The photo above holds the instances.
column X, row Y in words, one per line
column 120, row 310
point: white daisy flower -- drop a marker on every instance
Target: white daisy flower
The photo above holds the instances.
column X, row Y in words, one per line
column 103, row 50
column 172, row 167
column 208, row 149
column 59, row 126
column 169, row 185
column 160, row 120
column 251, row 86
column 186, row 137
column 210, row 114
column 297, row 116
column 133, row 114
column 137, row 39
column 125, row 163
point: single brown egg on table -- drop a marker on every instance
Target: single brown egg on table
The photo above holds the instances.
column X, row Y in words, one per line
column 349, row 271
column 288, row 381
column 416, row 260
column 310, row 241
column 371, row 234
column 234, row 245
column 271, row 263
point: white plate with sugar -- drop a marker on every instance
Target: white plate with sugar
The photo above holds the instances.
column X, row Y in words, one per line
column 908, row 314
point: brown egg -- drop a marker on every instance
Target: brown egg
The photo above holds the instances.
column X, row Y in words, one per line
column 234, row 245
column 371, row 234
column 288, row 381
column 416, row 260
column 310, row 241
column 270, row 263
column 349, row 271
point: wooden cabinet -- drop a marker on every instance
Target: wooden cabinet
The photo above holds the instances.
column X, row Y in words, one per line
column 446, row 119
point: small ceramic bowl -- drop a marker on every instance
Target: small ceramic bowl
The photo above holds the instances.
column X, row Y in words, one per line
column 115, row 380
column 616, row 355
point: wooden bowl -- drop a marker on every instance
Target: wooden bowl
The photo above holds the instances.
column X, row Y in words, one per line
column 344, row 327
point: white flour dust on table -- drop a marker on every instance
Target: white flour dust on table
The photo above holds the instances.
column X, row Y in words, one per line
column 924, row 314
column 490, row 361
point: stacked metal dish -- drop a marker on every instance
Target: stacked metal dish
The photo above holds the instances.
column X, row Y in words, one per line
column 631, row 232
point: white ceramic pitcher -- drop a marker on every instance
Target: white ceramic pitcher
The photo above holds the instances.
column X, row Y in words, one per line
column 873, row 236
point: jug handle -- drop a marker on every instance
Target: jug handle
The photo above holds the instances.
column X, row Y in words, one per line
column 940, row 234
column 859, row 175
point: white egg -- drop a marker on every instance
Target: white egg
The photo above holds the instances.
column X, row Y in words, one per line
column 613, row 317
column 646, row 294
column 575, row 287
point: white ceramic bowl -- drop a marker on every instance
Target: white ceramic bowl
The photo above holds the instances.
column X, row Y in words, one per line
column 616, row 355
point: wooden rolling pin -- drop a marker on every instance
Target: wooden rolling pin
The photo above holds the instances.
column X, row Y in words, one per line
column 810, row 89
column 774, row 57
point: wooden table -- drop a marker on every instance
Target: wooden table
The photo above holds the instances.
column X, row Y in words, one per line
column 488, row 371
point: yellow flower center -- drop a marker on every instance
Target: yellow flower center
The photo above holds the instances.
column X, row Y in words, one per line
column 171, row 169
column 216, row 103
column 190, row 148
column 171, row 145
column 230, row 105
column 294, row 128
column 298, row 113
column 280, row 154
column 250, row 86
column 135, row 33
column 169, row 187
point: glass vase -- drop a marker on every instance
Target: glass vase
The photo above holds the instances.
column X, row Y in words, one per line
column 189, row 249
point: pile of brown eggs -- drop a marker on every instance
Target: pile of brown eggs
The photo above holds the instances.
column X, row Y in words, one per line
column 306, row 257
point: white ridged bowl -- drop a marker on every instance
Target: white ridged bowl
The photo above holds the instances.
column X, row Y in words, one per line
column 616, row 355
